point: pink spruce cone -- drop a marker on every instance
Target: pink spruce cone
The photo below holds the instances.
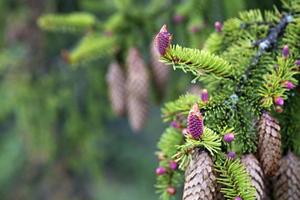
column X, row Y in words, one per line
column 218, row 26
column 163, row 40
column 285, row 51
column 279, row 101
column 204, row 95
column 160, row 171
column 289, row 85
column 229, row 137
column 195, row 124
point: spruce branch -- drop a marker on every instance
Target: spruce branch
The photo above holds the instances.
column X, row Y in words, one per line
column 74, row 22
column 197, row 62
column 210, row 141
column 90, row 47
column 234, row 180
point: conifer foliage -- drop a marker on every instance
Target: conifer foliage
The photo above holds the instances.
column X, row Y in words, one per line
column 250, row 67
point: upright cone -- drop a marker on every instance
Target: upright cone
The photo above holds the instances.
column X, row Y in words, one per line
column 160, row 70
column 116, row 88
column 137, row 85
column 257, row 177
column 269, row 144
column 287, row 181
column 200, row 180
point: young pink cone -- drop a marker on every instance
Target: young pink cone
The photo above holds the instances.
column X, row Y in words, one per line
column 163, row 40
column 195, row 124
column 160, row 171
column 204, row 95
column 288, row 85
column 279, row 101
column 229, row 137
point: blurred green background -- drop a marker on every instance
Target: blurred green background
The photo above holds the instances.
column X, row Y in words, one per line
column 59, row 138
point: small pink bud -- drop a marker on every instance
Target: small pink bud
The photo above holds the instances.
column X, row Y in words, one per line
column 229, row 137
column 289, row 85
column 218, row 26
column 278, row 109
column 171, row 190
column 297, row 63
column 238, row 198
column 231, row 155
column 160, row 171
column 163, row 40
column 195, row 124
column 178, row 18
column 279, row 101
column 285, row 51
column 173, row 165
column 204, row 95
column 194, row 29
column 175, row 124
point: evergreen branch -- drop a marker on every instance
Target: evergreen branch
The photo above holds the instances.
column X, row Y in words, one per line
column 75, row 22
column 197, row 62
column 169, row 140
column 91, row 47
column 209, row 141
column 234, row 180
column 273, row 86
column 180, row 106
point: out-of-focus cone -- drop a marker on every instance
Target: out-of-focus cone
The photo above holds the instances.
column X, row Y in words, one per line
column 287, row 181
column 269, row 144
column 257, row 177
column 116, row 87
column 195, row 89
column 137, row 85
column 200, row 181
column 160, row 70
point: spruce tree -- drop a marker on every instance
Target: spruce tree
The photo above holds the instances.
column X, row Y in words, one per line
column 250, row 67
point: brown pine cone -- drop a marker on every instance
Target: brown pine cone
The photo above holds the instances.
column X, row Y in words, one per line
column 137, row 112
column 160, row 70
column 287, row 181
column 257, row 177
column 116, row 88
column 137, row 86
column 269, row 144
column 200, row 181
column 138, row 77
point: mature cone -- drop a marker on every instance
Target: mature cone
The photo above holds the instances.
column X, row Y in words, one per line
column 137, row 90
column 257, row 177
column 160, row 70
column 116, row 87
column 287, row 181
column 200, row 180
column 269, row 144
column 137, row 112
column 138, row 77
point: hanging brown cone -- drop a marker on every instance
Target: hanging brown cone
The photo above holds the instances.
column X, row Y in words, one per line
column 269, row 144
column 160, row 70
column 138, row 77
column 137, row 86
column 137, row 112
column 287, row 181
column 116, row 88
column 257, row 177
column 200, row 181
